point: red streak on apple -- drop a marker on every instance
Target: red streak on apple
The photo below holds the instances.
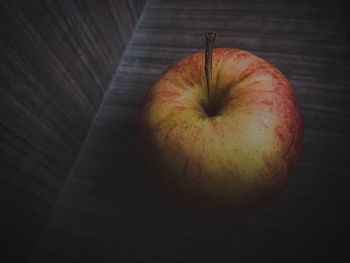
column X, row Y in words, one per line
column 237, row 158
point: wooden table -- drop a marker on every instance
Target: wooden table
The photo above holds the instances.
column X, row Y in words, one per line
column 109, row 210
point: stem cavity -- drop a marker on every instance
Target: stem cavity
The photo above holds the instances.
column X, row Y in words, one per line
column 209, row 44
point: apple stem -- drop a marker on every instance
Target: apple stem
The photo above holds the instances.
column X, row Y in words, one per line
column 209, row 44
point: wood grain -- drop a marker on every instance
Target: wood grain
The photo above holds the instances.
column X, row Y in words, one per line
column 110, row 210
column 57, row 59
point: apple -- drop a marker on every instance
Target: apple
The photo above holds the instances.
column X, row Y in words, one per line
column 221, row 129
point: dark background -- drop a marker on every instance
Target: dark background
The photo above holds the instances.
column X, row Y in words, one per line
column 109, row 209
column 56, row 61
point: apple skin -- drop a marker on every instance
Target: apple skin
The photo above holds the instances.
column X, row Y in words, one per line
column 238, row 158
